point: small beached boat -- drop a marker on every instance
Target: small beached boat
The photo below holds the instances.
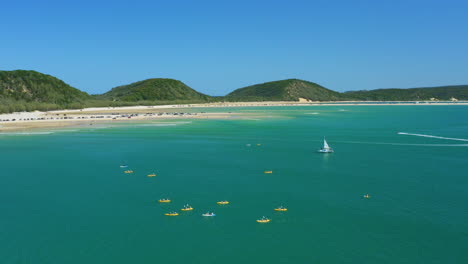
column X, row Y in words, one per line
column 263, row 220
column 326, row 148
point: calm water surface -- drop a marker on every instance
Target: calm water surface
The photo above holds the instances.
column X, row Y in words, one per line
column 64, row 199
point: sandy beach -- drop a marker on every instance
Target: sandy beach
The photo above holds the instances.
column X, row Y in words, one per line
column 59, row 119
column 89, row 116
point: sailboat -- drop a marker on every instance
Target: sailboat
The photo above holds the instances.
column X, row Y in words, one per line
column 325, row 148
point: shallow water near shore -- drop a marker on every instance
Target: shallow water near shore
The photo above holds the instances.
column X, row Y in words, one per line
column 64, row 199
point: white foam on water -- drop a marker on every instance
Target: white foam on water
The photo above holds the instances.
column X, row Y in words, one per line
column 314, row 113
column 90, row 128
column 431, row 136
column 65, row 130
column 162, row 124
column 26, row 133
column 180, row 122
column 155, row 125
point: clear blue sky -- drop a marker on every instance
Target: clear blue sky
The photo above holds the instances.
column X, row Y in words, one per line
column 218, row 46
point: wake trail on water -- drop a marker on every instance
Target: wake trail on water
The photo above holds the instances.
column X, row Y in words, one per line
column 404, row 144
column 431, row 136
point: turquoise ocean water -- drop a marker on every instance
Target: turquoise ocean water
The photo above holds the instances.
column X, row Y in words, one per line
column 64, row 199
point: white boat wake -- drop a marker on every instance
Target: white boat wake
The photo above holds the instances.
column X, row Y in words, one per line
column 430, row 136
column 404, row 144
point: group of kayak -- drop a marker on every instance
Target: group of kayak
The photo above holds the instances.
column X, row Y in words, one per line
column 187, row 207
column 128, row 171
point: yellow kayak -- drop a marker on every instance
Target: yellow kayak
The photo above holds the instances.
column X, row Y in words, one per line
column 128, row 171
column 164, row 200
column 222, row 202
column 171, row 214
column 187, row 208
column 268, row 172
column 281, row 209
column 263, row 220
column 151, row 175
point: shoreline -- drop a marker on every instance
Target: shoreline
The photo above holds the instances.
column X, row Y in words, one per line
column 88, row 116
column 83, row 119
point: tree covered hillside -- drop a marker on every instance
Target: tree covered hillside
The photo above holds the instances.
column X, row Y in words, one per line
column 154, row 90
column 284, row 90
column 30, row 90
column 445, row 93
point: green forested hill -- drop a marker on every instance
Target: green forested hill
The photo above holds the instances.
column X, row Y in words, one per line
column 459, row 92
column 158, row 89
column 33, row 86
column 30, row 90
column 284, row 90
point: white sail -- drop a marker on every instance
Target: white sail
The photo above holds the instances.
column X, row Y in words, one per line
column 325, row 144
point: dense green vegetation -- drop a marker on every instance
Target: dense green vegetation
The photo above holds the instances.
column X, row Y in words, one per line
column 154, row 90
column 32, row 86
column 285, row 90
column 30, row 90
column 459, row 92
